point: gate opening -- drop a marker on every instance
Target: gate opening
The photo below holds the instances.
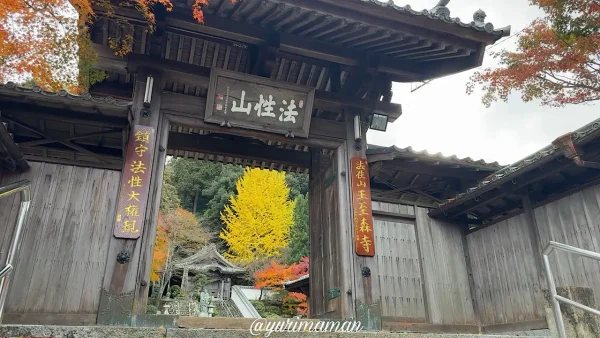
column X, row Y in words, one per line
column 232, row 237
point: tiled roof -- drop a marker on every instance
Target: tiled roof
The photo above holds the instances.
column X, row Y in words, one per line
column 514, row 169
column 453, row 159
column 299, row 279
column 208, row 258
column 442, row 13
column 63, row 93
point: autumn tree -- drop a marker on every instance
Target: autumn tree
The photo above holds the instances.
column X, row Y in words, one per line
column 273, row 276
column 557, row 58
column 178, row 235
column 276, row 273
column 259, row 217
column 161, row 250
column 47, row 39
column 294, row 304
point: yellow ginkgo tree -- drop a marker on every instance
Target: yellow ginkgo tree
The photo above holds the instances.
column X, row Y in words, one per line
column 258, row 220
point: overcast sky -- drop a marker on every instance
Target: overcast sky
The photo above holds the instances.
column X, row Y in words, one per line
column 441, row 117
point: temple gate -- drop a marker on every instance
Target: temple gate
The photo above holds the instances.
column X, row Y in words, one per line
column 276, row 84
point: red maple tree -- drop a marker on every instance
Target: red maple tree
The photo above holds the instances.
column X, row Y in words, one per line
column 47, row 39
column 557, row 58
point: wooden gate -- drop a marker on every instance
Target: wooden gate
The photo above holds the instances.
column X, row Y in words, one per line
column 399, row 267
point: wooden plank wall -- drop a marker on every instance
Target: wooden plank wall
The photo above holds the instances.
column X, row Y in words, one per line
column 444, row 271
column 507, row 289
column 63, row 252
column 504, row 271
column 399, row 269
column 324, row 244
column 573, row 220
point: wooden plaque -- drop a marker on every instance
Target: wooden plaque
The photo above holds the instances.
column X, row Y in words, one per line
column 253, row 102
column 135, row 183
column 364, row 240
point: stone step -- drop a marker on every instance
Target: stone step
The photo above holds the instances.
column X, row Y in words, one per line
column 18, row 331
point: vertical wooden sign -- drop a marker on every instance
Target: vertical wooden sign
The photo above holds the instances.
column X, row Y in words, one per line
column 364, row 240
column 135, row 183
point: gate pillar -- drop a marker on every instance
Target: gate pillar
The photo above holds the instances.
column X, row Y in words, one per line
column 366, row 293
column 125, row 285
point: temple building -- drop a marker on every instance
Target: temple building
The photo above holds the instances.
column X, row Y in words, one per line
column 208, row 262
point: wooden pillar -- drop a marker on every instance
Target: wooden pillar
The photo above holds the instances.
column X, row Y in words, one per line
column 185, row 281
column 125, row 286
column 346, row 249
column 472, row 292
column 366, row 293
column 534, row 235
column 222, row 289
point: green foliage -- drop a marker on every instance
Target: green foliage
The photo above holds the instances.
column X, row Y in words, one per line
column 151, row 309
column 267, row 308
column 28, row 83
column 175, row 291
column 217, row 194
column 88, row 75
column 298, row 184
column 201, row 280
column 299, row 237
column 572, row 18
column 169, row 198
column 206, row 184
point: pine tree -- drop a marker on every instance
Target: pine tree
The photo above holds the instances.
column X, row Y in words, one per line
column 259, row 218
column 299, row 237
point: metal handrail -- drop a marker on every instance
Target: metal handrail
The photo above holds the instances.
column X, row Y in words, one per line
column 555, row 298
column 24, row 187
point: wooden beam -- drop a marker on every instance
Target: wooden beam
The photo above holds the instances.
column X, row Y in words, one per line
column 239, row 148
column 295, row 44
column 12, row 109
column 425, row 169
column 110, row 165
column 388, row 18
column 335, row 77
column 393, row 214
column 63, row 142
column 318, row 141
column 50, row 140
column 443, row 67
column 186, row 73
column 265, row 61
column 375, row 168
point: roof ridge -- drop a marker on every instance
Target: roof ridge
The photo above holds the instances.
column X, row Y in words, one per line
column 442, row 13
column 86, row 96
column 578, row 136
column 375, row 149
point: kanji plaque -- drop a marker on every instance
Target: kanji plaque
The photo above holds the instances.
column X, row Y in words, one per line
column 253, row 102
column 364, row 240
column 135, row 183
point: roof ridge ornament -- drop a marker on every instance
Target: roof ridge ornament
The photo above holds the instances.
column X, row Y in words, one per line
column 440, row 10
column 479, row 18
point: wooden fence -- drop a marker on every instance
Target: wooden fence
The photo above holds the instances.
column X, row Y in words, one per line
column 508, row 280
column 58, row 275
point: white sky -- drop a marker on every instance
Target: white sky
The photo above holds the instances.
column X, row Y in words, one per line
column 441, row 117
